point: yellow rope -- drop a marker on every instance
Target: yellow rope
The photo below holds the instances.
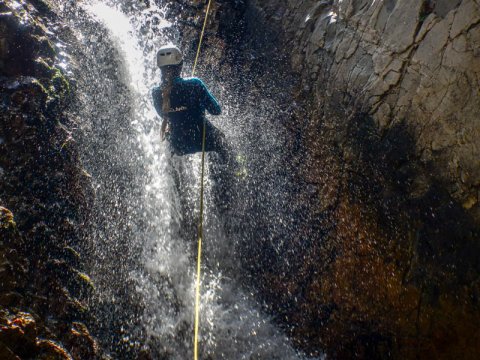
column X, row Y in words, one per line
column 200, row 224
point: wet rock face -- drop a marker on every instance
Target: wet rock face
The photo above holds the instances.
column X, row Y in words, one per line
column 382, row 256
column 383, row 264
column 44, row 195
column 411, row 62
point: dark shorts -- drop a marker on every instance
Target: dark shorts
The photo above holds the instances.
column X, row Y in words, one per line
column 191, row 142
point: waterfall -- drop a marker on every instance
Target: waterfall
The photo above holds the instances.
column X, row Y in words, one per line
column 142, row 262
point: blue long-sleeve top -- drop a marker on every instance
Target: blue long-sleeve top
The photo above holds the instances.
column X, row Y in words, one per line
column 189, row 99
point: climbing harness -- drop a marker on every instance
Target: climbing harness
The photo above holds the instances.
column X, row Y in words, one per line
column 200, row 222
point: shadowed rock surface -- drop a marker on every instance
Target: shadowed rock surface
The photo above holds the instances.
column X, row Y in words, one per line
column 390, row 145
column 382, row 260
column 44, row 192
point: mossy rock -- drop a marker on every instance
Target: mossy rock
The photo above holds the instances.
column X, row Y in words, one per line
column 85, row 282
column 45, row 48
column 8, row 229
column 71, row 256
column 59, row 83
column 50, row 350
column 19, row 334
column 79, row 284
column 30, row 95
column 53, row 80
column 6, row 219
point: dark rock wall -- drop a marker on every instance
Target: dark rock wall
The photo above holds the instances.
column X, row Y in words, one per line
column 378, row 102
column 390, row 92
column 381, row 260
column 413, row 63
column 44, row 193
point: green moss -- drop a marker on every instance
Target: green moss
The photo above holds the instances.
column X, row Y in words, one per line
column 6, row 219
column 71, row 256
column 86, row 280
column 56, row 85
column 59, row 85
column 60, row 82
column 72, row 252
column 40, row 85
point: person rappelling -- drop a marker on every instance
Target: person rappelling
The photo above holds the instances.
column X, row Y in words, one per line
column 181, row 103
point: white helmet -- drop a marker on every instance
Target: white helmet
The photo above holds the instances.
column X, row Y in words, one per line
column 169, row 55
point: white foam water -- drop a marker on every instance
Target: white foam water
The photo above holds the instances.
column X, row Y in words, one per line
column 233, row 326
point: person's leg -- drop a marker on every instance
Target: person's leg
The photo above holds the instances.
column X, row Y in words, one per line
column 220, row 166
column 217, row 142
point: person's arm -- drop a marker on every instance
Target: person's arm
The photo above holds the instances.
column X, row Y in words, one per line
column 157, row 100
column 209, row 102
column 163, row 129
column 157, row 103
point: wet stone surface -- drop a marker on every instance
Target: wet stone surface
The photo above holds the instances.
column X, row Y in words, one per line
column 380, row 257
column 44, row 194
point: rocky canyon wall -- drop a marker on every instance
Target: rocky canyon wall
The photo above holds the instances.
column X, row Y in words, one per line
column 44, row 193
column 390, row 145
column 378, row 102
column 381, row 258
column 402, row 62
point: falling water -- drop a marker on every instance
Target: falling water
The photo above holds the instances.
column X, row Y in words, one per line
column 144, row 199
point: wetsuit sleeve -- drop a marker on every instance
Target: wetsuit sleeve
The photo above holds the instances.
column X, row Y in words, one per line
column 157, row 100
column 209, row 102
